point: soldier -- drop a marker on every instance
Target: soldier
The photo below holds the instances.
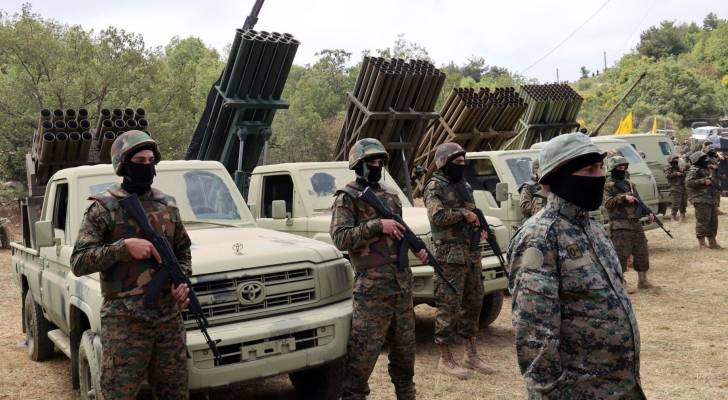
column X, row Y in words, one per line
column 685, row 148
column 713, row 164
column 678, row 193
column 701, row 188
column 138, row 342
column 533, row 197
column 576, row 333
column 625, row 228
column 383, row 308
column 457, row 235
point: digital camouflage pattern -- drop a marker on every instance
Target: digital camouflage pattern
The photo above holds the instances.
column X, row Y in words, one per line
column 701, row 195
column 126, row 144
column 625, row 228
column 137, row 341
column 457, row 248
column 383, row 308
column 366, row 148
column 576, row 332
column 678, row 192
column 562, row 149
column 446, row 152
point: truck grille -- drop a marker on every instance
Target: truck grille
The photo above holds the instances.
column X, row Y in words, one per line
column 485, row 249
column 265, row 292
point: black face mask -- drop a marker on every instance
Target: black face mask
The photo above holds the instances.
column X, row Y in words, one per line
column 583, row 191
column 138, row 178
column 674, row 164
column 713, row 153
column 619, row 175
column 702, row 163
column 454, row 171
column 368, row 174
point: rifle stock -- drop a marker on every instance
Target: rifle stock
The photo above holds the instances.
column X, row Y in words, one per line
column 168, row 269
column 410, row 239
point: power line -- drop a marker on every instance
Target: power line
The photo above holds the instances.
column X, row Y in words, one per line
column 567, row 37
column 637, row 27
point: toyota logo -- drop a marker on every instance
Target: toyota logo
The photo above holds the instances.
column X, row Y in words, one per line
column 251, row 293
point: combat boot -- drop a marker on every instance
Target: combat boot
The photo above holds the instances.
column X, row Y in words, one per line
column 701, row 242
column 683, row 217
column 472, row 361
column 447, row 364
column 713, row 244
column 642, row 282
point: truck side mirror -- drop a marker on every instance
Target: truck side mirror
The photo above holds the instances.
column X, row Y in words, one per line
column 44, row 234
column 278, row 209
column 501, row 191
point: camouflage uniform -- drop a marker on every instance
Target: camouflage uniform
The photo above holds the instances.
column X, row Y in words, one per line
column 625, row 229
column 702, row 197
column 138, row 342
column 678, row 192
column 383, row 308
column 533, row 198
column 575, row 329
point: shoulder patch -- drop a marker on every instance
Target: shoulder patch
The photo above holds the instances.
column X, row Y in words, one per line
column 532, row 258
column 573, row 251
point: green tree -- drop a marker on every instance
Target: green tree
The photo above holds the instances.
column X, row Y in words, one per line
column 665, row 40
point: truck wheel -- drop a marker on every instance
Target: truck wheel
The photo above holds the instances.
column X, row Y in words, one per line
column 89, row 368
column 40, row 347
column 662, row 208
column 321, row 383
column 492, row 304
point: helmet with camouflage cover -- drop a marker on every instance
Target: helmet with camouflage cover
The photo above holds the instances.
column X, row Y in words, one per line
column 446, row 152
column 129, row 143
column 366, row 148
column 615, row 161
column 695, row 157
column 562, row 149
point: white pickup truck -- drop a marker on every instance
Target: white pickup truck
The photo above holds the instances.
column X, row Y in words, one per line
column 297, row 198
column 299, row 324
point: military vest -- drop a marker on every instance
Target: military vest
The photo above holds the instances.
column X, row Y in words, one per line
column 129, row 278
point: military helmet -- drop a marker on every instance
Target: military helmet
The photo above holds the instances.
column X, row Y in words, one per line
column 562, row 149
column 446, row 152
column 672, row 158
column 615, row 161
column 366, row 148
column 695, row 157
column 127, row 144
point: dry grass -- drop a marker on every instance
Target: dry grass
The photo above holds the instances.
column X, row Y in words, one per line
column 684, row 326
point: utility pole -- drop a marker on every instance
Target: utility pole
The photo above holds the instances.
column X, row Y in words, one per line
column 557, row 75
column 605, row 60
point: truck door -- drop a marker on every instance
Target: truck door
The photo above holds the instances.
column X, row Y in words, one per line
column 57, row 259
column 280, row 187
column 483, row 177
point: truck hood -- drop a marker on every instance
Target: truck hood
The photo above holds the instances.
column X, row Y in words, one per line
column 217, row 250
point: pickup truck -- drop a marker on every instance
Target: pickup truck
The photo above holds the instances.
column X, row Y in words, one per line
column 297, row 198
column 299, row 324
column 496, row 176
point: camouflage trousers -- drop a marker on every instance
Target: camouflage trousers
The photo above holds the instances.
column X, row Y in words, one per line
column 458, row 313
column 706, row 220
column 143, row 343
column 679, row 202
column 631, row 242
column 383, row 311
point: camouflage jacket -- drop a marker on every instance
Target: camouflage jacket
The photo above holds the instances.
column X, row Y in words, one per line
column 677, row 182
column 356, row 227
column 456, row 241
column 533, row 198
column 100, row 244
column 622, row 214
column 576, row 333
column 698, row 191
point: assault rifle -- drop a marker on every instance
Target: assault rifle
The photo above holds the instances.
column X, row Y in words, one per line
column 168, row 269
column 410, row 240
column 492, row 241
column 642, row 208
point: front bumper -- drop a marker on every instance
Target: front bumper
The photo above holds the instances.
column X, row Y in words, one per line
column 494, row 279
column 269, row 346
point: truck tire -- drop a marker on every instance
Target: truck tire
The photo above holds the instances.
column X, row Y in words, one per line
column 492, row 304
column 40, row 347
column 321, row 383
column 89, row 368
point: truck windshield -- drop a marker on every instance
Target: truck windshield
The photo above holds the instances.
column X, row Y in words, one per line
column 201, row 195
column 319, row 186
column 520, row 169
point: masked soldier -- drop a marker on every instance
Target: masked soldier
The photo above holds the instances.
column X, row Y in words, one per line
column 532, row 196
column 457, row 234
column 576, row 333
column 678, row 193
column 625, row 229
column 138, row 342
column 685, row 148
column 701, row 188
column 383, row 309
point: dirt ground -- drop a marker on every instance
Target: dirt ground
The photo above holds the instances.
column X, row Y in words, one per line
column 684, row 327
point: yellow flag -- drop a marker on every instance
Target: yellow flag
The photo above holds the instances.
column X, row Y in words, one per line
column 628, row 124
column 654, row 125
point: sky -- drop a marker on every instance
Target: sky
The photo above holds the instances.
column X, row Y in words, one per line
column 532, row 37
